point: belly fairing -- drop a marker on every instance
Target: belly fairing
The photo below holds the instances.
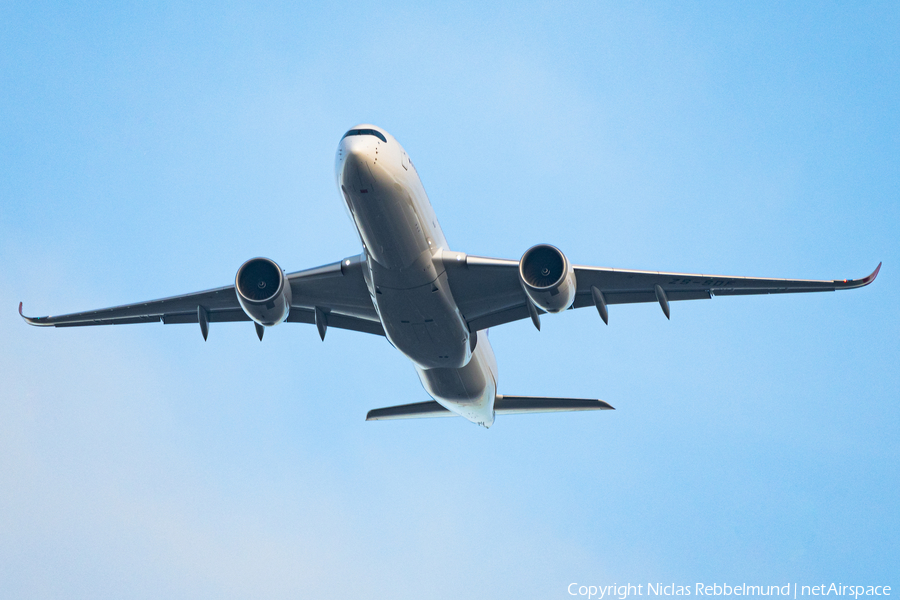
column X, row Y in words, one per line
column 423, row 322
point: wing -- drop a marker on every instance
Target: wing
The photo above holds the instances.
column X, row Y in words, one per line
column 488, row 292
column 338, row 290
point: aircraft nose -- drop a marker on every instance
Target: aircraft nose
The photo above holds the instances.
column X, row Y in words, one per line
column 358, row 150
column 358, row 159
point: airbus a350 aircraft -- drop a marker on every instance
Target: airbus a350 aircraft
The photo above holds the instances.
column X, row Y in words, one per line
column 432, row 303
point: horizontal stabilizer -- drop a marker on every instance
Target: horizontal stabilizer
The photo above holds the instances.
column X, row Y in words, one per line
column 419, row 410
column 504, row 405
column 513, row 405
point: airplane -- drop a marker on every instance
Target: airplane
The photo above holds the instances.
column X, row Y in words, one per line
column 432, row 303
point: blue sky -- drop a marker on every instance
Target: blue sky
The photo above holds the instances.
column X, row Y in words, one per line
column 149, row 150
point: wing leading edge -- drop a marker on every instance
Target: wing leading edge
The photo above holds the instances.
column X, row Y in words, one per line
column 488, row 291
column 338, row 290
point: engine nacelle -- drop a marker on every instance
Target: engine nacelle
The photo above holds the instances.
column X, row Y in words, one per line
column 548, row 278
column 263, row 291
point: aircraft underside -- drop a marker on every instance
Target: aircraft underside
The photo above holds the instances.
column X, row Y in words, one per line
column 432, row 303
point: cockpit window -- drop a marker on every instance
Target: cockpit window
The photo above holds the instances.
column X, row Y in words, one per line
column 377, row 134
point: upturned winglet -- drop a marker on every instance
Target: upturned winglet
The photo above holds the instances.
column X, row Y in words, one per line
column 872, row 277
column 857, row 283
column 31, row 320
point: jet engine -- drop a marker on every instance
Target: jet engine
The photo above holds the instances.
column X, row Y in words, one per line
column 263, row 291
column 547, row 278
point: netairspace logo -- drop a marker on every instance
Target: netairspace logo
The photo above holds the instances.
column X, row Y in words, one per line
column 791, row 590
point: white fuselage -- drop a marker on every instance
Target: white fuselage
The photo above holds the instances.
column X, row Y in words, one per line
column 403, row 247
